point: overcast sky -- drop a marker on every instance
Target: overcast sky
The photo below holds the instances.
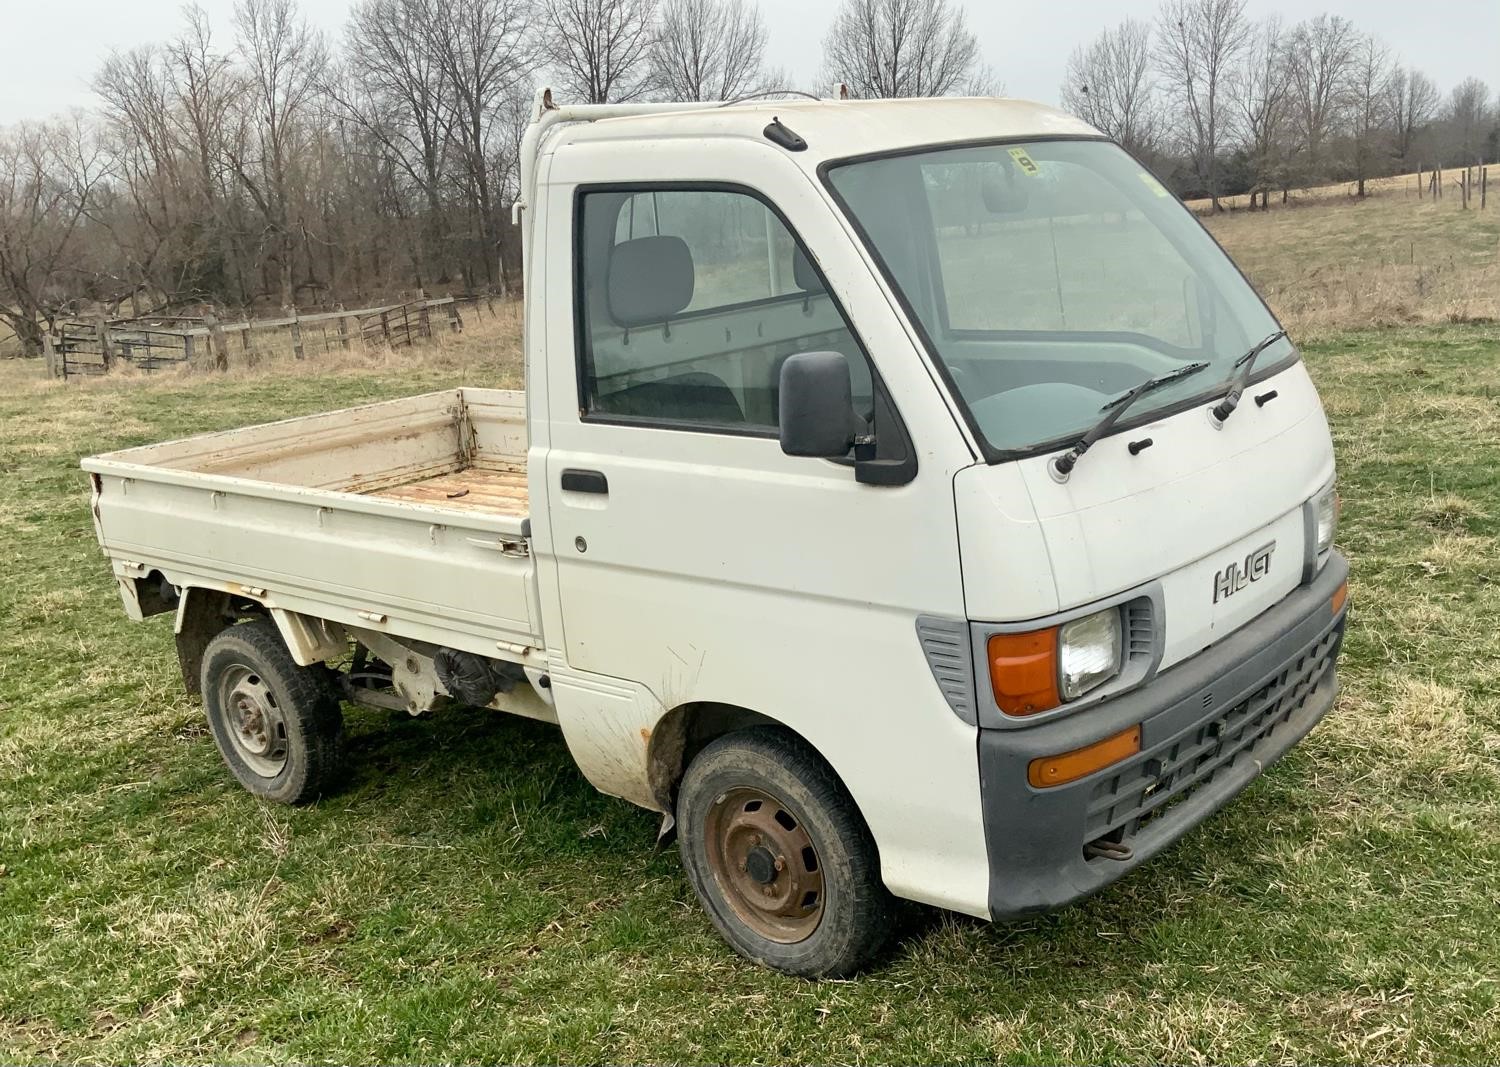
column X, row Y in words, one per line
column 51, row 47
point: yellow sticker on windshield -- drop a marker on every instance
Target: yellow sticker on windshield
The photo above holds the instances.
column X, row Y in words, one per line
column 1026, row 163
column 1150, row 182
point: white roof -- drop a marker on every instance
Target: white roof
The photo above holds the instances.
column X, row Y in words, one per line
column 838, row 128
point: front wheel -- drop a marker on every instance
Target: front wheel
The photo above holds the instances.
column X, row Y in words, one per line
column 276, row 723
column 779, row 856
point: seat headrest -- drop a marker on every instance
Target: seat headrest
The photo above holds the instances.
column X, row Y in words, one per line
column 650, row 280
column 803, row 274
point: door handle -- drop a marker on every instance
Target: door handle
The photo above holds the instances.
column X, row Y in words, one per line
column 581, row 481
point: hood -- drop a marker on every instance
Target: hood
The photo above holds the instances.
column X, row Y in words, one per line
column 1213, row 515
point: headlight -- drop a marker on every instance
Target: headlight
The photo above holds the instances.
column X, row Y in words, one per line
column 1326, row 513
column 1037, row 670
column 1088, row 652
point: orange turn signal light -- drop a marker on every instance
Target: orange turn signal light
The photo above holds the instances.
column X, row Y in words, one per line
column 1340, row 596
column 1023, row 671
column 1071, row 766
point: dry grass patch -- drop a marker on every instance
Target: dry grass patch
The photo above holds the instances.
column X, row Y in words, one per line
column 1388, row 260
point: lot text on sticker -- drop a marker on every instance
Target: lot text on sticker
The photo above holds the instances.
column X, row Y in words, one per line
column 1026, row 163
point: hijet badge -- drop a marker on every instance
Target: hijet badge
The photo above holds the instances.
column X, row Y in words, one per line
column 1237, row 575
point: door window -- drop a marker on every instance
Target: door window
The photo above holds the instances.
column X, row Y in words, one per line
column 690, row 301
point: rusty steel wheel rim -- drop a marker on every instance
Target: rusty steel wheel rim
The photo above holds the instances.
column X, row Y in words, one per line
column 255, row 721
column 766, row 864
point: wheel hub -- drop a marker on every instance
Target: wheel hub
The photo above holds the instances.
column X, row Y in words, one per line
column 764, row 860
column 257, row 729
column 761, row 865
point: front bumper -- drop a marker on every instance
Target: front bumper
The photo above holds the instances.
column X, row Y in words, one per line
column 1209, row 726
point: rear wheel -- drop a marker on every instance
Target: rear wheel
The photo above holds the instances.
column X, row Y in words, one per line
column 277, row 724
column 779, row 857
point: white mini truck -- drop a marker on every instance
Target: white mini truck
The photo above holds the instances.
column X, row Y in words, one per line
column 908, row 499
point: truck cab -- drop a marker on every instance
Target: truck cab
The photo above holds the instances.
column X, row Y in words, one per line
column 917, row 503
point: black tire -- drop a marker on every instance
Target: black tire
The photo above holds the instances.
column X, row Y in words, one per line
column 855, row 911
column 277, row 724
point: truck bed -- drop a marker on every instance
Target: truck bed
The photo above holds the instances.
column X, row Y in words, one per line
column 407, row 516
column 469, row 489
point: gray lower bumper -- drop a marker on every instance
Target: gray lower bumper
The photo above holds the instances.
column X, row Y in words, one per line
column 1209, row 726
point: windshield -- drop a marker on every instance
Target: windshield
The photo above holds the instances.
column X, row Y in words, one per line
column 1050, row 277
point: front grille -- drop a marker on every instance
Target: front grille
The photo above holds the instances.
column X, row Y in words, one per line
column 1145, row 790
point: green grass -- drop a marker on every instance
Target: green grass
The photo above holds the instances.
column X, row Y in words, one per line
column 470, row 897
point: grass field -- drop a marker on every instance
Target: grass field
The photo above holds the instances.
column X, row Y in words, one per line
column 470, row 897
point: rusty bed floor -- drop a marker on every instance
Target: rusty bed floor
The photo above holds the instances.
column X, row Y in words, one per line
column 470, row 489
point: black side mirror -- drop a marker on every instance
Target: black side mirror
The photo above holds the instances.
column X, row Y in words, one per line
column 817, row 405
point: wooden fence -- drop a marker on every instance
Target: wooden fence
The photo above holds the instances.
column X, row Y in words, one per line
column 78, row 348
column 1471, row 183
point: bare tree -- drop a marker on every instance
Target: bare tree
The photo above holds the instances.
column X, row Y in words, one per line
column 1261, row 88
column 206, row 86
column 396, row 92
column 1369, row 105
column 1321, row 52
column 600, row 49
column 1468, row 115
column 1413, row 100
column 1198, row 44
column 893, row 48
column 708, row 49
column 146, row 156
column 50, row 176
column 1108, row 84
column 285, row 60
column 484, row 48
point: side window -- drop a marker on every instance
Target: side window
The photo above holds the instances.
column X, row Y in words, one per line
column 689, row 302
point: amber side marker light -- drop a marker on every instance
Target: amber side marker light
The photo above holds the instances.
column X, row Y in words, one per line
column 1340, row 595
column 1023, row 671
column 1071, row 766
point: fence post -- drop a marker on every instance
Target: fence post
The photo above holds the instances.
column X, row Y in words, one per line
column 217, row 341
column 424, row 320
column 56, row 366
column 406, row 323
column 106, row 343
column 1419, row 181
column 385, row 326
column 187, row 348
column 1484, row 187
column 343, row 329
column 297, row 349
column 455, row 320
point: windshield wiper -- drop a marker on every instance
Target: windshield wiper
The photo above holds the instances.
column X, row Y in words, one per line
column 1063, row 465
column 1239, row 377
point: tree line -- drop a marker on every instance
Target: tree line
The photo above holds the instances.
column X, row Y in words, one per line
column 266, row 164
column 1221, row 104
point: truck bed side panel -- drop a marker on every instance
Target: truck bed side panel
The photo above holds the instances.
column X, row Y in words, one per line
column 293, row 508
column 435, row 577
